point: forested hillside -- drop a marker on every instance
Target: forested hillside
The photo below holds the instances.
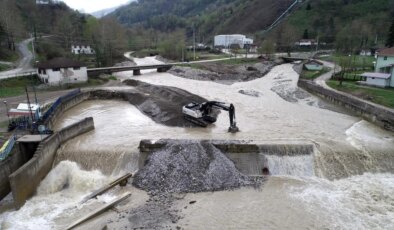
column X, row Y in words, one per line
column 56, row 27
column 349, row 24
column 208, row 16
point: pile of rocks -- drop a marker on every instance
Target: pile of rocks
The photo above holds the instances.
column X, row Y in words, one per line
column 192, row 166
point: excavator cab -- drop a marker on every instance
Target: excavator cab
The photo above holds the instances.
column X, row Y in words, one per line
column 203, row 114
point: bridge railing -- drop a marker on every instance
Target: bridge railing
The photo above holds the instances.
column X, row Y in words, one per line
column 23, row 74
column 7, row 148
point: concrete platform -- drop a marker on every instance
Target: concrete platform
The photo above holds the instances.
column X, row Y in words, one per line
column 32, row 138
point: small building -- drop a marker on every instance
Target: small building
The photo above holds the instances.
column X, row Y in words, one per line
column 82, row 49
column 366, row 52
column 225, row 41
column 313, row 65
column 377, row 79
column 23, row 116
column 60, row 71
column 384, row 69
column 306, row 42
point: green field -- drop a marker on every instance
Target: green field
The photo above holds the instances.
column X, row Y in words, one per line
column 4, row 67
column 383, row 96
column 16, row 86
column 307, row 74
column 356, row 60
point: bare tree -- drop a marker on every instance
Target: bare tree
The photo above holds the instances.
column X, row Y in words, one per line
column 11, row 22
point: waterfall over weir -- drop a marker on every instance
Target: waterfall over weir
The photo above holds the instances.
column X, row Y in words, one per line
column 250, row 159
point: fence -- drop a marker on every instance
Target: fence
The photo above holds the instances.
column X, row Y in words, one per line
column 7, row 147
column 50, row 111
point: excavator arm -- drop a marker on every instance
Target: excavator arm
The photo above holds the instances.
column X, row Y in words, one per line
column 206, row 108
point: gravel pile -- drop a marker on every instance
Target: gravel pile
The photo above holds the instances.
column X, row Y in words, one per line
column 223, row 73
column 192, row 166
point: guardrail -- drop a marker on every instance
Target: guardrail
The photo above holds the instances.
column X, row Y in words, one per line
column 23, row 74
column 53, row 107
column 7, row 148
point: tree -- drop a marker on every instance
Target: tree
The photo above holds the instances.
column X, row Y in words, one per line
column 11, row 22
column 390, row 39
column 286, row 35
column 306, row 34
column 268, row 48
column 308, row 7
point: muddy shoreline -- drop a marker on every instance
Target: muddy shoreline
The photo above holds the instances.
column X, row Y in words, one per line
column 223, row 73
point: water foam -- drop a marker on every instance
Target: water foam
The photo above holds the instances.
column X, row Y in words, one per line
column 358, row 202
column 290, row 165
column 57, row 194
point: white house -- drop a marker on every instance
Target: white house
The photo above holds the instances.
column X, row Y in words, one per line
column 232, row 39
column 60, row 71
column 82, row 49
column 384, row 69
column 306, row 42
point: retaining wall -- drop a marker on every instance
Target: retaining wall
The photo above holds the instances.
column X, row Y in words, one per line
column 26, row 179
column 377, row 114
column 14, row 160
column 64, row 106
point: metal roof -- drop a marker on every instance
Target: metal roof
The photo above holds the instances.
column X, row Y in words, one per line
column 386, row 52
column 377, row 75
column 60, row 63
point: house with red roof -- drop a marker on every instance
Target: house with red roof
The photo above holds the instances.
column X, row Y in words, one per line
column 384, row 69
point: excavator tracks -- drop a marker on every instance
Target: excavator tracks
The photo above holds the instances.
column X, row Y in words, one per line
column 198, row 122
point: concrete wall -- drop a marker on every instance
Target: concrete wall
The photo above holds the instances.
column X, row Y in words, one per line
column 377, row 114
column 65, row 105
column 7, row 167
column 26, row 179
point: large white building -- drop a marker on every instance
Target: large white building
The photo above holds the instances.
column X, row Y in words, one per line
column 226, row 41
column 60, row 71
column 82, row 49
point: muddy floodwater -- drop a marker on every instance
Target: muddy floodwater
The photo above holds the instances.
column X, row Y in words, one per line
column 348, row 183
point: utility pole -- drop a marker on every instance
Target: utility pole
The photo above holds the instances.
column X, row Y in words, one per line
column 32, row 46
column 6, row 110
column 29, row 105
column 194, row 43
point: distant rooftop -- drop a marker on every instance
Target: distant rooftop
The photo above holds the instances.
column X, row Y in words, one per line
column 386, row 52
column 60, row 63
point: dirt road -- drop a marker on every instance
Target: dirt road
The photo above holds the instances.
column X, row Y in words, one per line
column 24, row 63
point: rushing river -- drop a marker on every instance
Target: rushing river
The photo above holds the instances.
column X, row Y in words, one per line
column 347, row 184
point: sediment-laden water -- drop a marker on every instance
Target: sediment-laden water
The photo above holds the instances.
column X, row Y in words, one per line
column 348, row 183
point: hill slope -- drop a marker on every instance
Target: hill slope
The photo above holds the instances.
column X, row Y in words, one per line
column 360, row 23
column 209, row 16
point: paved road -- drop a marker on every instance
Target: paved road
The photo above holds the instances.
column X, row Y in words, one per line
column 325, row 77
column 336, row 68
column 24, row 64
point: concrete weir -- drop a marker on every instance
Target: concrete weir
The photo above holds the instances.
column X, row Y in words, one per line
column 250, row 158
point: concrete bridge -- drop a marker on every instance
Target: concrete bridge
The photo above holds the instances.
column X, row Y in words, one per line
column 136, row 69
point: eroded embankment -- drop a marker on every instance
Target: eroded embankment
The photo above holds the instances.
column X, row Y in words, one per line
column 162, row 104
column 224, row 73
